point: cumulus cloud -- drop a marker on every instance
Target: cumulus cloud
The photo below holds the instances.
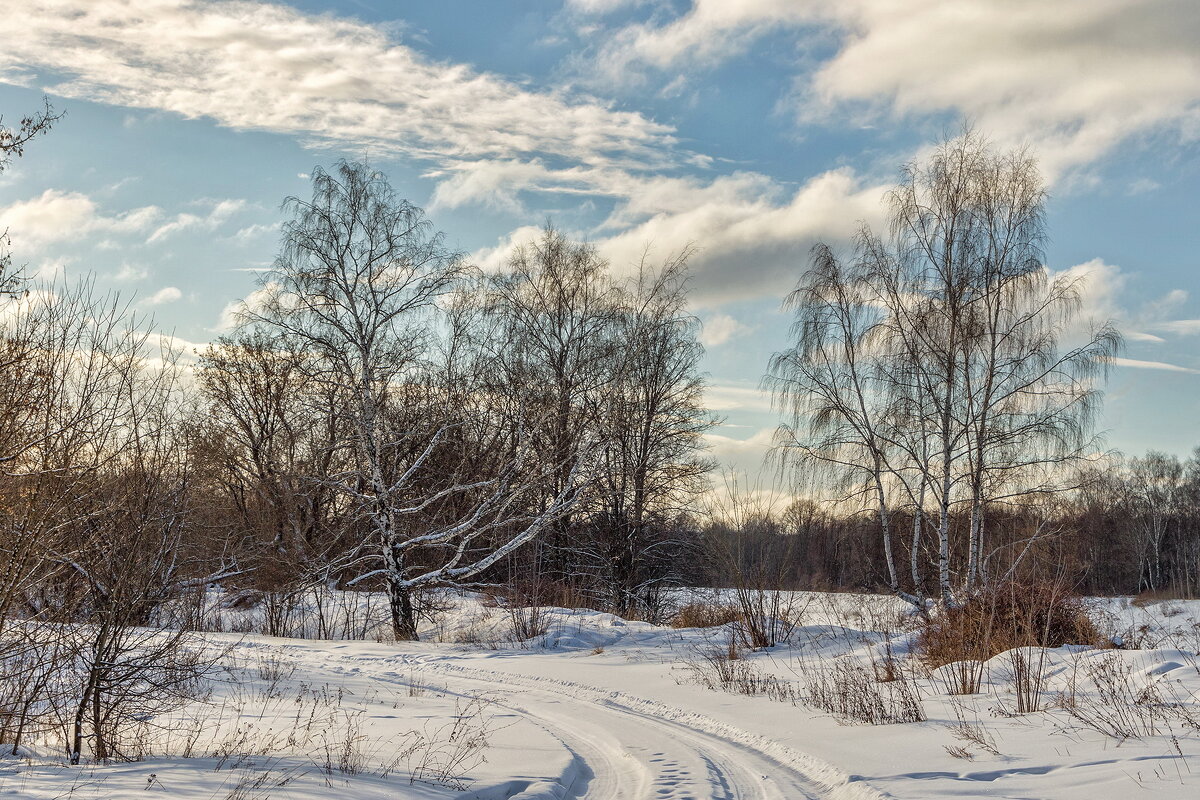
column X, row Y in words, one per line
column 51, row 270
column 708, row 33
column 745, row 469
column 56, row 215
column 752, row 235
column 167, row 294
column 1102, row 288
column 1075, row 80
column 128, row 272
column 235, row 311
column 493, row 259
column 717, row 329
column 752, row 241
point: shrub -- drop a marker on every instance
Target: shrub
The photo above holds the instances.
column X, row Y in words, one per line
column 704, row 615
column 723, row 669
column 1123, row 706
column 1003, row 617
column 850, row 691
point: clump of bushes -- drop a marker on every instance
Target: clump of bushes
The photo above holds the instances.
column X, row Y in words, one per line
column 1003, row 617
column 704, row 615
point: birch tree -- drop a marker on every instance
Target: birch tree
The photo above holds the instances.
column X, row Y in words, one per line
column 356, row 287
column 935, row 354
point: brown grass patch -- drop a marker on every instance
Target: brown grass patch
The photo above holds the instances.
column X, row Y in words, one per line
column 1004, row 617
column 704, row 615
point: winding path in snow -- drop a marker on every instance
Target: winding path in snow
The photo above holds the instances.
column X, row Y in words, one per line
column 623, row 746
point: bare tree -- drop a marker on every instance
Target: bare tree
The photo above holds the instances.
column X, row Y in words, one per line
column 266, row 443
column 1154, row 492
column 356, row 289
column 12, row 145
column 837, row 385
column 930, row 364
column 555, row 306
column 653, row 420
column 13, row 141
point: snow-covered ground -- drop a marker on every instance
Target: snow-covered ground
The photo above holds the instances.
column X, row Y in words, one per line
column 600, row 707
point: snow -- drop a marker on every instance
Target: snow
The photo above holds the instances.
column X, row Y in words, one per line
column 602, row 707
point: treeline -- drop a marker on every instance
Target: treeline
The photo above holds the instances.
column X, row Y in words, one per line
column 1129, row 527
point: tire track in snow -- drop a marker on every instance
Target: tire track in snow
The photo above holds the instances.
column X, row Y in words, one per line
column 630, row 747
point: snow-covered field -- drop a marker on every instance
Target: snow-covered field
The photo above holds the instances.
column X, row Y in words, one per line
column 600, row 707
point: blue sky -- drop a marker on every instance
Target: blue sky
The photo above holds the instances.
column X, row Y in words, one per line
column 748, row 129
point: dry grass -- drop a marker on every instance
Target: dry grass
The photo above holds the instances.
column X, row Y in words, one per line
column 1153, row 596
column 704, row 615
column 850, row 691
column 1003, row 618
column 1118, row 708
column 723, row 669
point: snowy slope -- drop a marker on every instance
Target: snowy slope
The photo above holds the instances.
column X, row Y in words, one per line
column 599, row 707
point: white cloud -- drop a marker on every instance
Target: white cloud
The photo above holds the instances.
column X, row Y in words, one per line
column 601, row 6
column 744, row 461
column 1074, row 78
column 720, row 397
column 254, row 231
column 56, row 215
column 752, row 234
column 331, row 80
column 1144, row 186
column 496, row 183
column 51, row 270
column 752, row 241
column 220, row 213
column 1142, row 336
column 717, row 329
column 1100, row 286
column 493, row 259
column 186, row 349
column 233, row 312
column 167, row 294
column 131, row 272
column 1160, row 365
column 1182, row 327
column 1102, row 290
column 708, row 33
